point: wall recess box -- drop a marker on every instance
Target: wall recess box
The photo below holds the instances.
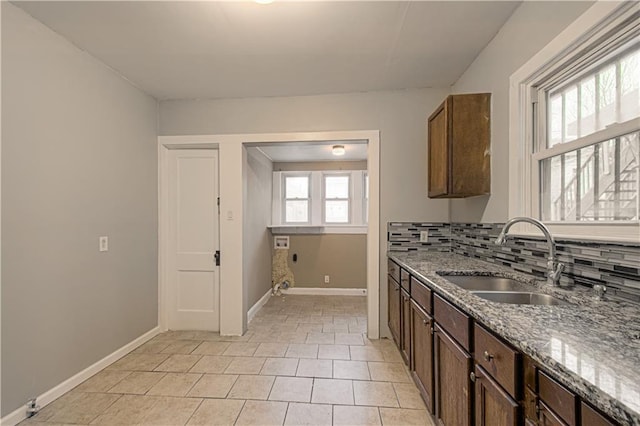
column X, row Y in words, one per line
column 281, row 242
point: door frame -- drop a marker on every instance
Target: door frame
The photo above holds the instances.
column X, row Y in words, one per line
column 233, row 313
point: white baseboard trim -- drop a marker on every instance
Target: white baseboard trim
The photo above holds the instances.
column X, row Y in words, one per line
column 320, row 291
column 51, row 395
column 259, row 304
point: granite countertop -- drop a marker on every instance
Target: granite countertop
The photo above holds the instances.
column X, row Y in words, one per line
column 592, row 347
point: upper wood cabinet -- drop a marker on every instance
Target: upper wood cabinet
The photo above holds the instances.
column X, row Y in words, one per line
column 458, row 158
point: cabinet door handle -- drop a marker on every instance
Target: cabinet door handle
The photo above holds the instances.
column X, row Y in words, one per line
column 487, row 356
column 425, row 322
column 473, row 377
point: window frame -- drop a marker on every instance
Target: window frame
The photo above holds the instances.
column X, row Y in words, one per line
column 349, row 198
column 581, row 42
column 284, row 198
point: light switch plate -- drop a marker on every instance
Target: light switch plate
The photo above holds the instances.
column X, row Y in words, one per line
column 103, row 244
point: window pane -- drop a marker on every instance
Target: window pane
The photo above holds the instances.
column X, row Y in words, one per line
column 595, row 183
column 296, row 211
column 297, row 187
column 606, row 95
column 336, row 211
column 336, row 186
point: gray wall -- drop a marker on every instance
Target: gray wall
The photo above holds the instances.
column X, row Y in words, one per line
column 257, row 242
column 341, row 256
column 78, row 161
column 399, row 115
column 531, row 27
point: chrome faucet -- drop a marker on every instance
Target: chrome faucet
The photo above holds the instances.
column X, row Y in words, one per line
column 554, row 268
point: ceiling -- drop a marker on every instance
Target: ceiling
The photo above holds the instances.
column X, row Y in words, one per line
column 233, row 49
column 312, row 152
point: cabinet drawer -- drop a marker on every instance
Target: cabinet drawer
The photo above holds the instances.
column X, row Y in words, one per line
column 421, row 294
column 498, row 359
column 559, row 399
column 393, row 270
column 455, row 322
column 404, row 280
column 591, row 417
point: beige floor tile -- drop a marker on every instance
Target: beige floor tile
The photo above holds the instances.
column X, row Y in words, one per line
column 217, row 412
column 280, row 367
column 139, row 362
column 404, row 417
column 103, row 381
column 265, row 413
column 171, row 411
column 308, row 414
column 183, row 347
column 245, row 365
column 211, row 364
column 392, row 355
column 138, row 382
column 357, row 328
column 77, row 407
column 241, row 349
column 179, row 363
column 213, row 386
column 349, row 339
column 211, row 336
column 315, row 368
column 333, row 352
column 409, row 396
column 365, row 353
column 357, row 370
column 332, row 391
column 251, row 387
column 321, row 338
column 335, row 328
column 152, row 347
column 302, row 350
column 128, row 410
column 296, row 389
column 271, row 350
column 345, row 415
column 175, row 384
column 271, row 337
column 211, row 348
column 292, row 337
column 389, row 372
column 379, row 394
column 310, row 328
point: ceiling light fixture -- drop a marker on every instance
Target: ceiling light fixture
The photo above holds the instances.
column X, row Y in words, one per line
column 263, row 1
column 338, row 150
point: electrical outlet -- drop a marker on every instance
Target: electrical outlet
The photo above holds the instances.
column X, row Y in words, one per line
column 326, row 279
column 103, row 244
column 424, row 236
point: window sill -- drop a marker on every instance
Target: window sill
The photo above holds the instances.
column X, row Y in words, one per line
column 317, row 230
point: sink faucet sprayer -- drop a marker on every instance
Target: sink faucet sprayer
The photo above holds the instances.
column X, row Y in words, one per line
column 554, row 268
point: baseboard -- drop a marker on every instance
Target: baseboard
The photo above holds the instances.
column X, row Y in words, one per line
column 51, row 395
column 320, row 291
column 259, row 304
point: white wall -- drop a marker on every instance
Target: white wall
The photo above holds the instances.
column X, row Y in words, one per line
column 399, row 115
column 78, row 161
column 529, row 29
column 256, row 247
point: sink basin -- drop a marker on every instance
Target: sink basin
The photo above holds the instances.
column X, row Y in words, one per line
column 519, row 298
column 483, row 282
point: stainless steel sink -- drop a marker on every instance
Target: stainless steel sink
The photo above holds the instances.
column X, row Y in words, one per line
column 519, row 298
column 488, row 283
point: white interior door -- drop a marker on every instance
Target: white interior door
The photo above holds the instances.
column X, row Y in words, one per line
column 193, row 287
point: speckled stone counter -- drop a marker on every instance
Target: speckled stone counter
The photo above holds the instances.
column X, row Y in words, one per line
column 592, row 347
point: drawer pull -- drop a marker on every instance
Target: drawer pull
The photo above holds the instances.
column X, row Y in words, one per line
column 425, row 322
column 487, row 356
column 472, row 377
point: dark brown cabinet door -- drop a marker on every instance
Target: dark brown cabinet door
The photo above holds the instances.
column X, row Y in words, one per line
column 394, row 309
column 494, row 406
column 405, row 326
column 438, row 162
column 452, row 381
column 546, row 417
column 422, row 353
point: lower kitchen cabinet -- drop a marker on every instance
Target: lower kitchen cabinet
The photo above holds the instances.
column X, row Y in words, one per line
column 394, row 309
column 546, row 417
column 493, row 406
column 405, row 326
column 452, row 381
column 422, row 353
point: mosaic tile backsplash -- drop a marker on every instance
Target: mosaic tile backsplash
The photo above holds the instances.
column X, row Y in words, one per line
column 617, row 265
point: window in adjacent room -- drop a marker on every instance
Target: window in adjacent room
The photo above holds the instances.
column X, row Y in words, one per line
column 297, row 199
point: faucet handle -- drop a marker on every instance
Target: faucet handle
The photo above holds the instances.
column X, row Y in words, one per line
column 557, row 271
column 600, row 290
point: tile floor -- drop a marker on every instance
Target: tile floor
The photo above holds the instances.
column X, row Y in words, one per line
column 305, row 360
